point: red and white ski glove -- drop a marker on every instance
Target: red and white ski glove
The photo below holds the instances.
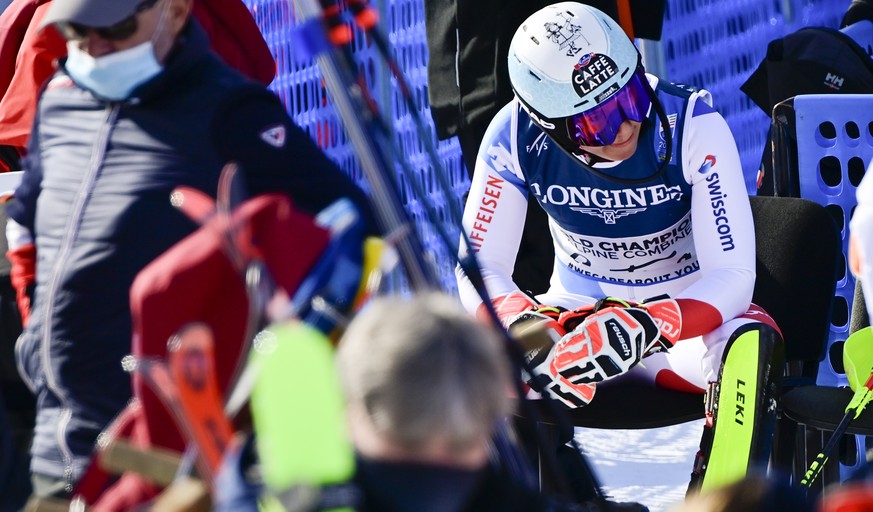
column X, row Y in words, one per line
column 606, row 344
column 518, row 312
column 612, row 336
column 545, row 380
column 603, row 340
column 516, row 309
column 663, row 310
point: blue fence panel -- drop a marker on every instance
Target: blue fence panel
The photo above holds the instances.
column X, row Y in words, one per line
column 835, row 146
column 406, row 31
column 299, row 83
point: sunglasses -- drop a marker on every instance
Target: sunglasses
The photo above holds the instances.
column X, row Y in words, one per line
column 600, row 125
column 116, row 32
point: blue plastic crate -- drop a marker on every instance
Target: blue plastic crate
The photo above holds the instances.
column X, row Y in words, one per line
column 835, row 147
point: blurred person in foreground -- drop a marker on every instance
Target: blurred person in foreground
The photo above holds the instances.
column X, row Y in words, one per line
column 861, row 240
column 753, row 493
column 139, row 106
column 426, row 387
column 28, row 54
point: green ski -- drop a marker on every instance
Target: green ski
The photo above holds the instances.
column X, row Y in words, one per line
column 298, row 414
column 737, row 401
column 858, row 362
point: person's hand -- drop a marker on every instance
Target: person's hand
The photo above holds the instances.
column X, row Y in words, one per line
column 602, row 340
column 668, row 317
column 607, row 343
column 558, row 387
column 23, row 275
column 508, row 307
column 663, row 310
column 538, row 328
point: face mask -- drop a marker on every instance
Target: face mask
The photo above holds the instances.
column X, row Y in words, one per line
column 113, row 76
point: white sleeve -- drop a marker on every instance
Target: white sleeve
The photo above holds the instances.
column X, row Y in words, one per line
column 17, row 235
column 495, row 212
column 721, row 216
column 861, row 228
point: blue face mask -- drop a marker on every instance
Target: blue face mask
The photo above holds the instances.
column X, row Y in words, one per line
column 113, row 76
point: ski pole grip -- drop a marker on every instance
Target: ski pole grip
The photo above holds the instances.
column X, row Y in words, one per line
column 814, row 470
column 531, row 335
column 365, row 16
column 338, row 33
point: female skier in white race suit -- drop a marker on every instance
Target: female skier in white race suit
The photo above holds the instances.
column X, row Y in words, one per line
column 642, row 183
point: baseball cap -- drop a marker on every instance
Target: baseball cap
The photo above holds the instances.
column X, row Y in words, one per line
column 91, row 13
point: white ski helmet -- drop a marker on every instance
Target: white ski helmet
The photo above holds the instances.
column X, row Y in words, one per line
column 568, row 59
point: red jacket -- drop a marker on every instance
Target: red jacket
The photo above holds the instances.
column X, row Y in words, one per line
column 28, row 54
column 27, row 59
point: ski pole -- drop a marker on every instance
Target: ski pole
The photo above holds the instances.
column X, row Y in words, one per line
column 367, row 19
column 349, row 95
column 336, row 65
column 859, row 400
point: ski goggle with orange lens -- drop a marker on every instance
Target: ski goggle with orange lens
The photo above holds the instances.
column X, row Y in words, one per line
column 600, row 125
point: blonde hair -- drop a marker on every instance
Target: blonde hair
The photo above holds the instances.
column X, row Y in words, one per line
column 421, row 367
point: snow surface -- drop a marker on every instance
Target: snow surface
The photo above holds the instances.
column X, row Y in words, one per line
column 647, row 466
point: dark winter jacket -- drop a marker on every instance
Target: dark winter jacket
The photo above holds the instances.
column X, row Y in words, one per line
column 96, row 197
column 408, row 487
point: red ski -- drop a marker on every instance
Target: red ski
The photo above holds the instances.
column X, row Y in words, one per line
column 192, row 367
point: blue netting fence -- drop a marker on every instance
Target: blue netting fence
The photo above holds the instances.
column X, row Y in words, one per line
column 717, row 44
column 299, row 85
